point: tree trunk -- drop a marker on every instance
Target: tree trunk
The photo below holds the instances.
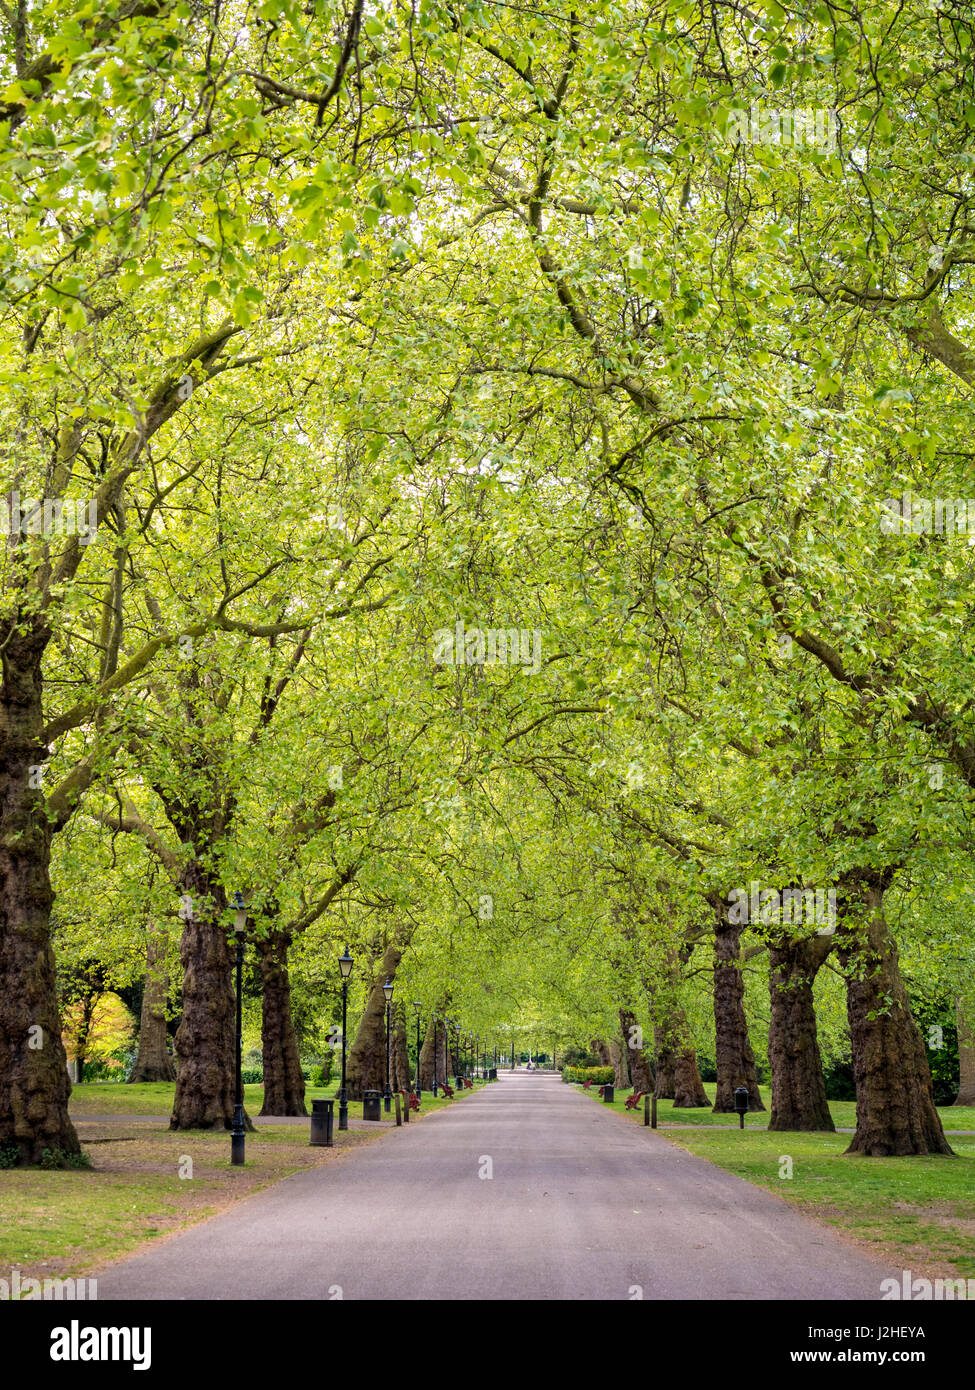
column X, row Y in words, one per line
column 34, row 1085
column 442, row 1056
column 153, row 1062
column 641, row 1071
column 426, row 1060
column 402, row 1077
column 689, row 1092
column 733, row 1051
column 798, row 1088
column 367, row 1056
column 206, row 1036
column 677, row 1076
column 83, row 1033
column 896, row 1114
column 284, row 1085
column 965, row 1013
column 665, row 1085
column 621, row 1076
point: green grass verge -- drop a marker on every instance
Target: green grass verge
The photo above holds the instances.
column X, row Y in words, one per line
column 156, row 1098
column 844, row 1112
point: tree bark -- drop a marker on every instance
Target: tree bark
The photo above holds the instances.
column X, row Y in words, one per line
column 426, row 1059
column 367, row 1056
column 153, row 1062
column 798, row 1087
column 689, row 1092
column 734, row 1057
column 284, row 1085
column 402, row 1076
column 965, row 1013
column 206, row 1036
column 896, row 1114
column 621, row 1075
column 641, row 1071
column 34, row 1085
column 665, row 1085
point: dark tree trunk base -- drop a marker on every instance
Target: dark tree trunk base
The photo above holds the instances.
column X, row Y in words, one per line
column 689, row 1092
column 153, row 1062
column 284, row 1085
column 367, row 1056
column 205, row 1039
column 896, row 1114
column 734, row 1057
column 798, row 1088
column 665, row 1084
column 34, row 1085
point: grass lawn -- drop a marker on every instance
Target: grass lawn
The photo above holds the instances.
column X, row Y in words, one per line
column 844, row 1112
column 156, row 1098
column 60, row 1223
column 918, row 1212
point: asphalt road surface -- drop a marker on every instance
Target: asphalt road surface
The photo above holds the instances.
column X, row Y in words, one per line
column 524, row 1190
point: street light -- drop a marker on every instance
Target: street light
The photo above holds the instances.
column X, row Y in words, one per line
column 416, row 1005
column 460, row 1068
column 345, row 966
column 237, row 1132
column 388, row 991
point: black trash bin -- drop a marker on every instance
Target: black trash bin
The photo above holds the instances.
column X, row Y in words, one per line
column 609, row 1093
column 493, row 1074
column 372, row 1105
column 322, row 1115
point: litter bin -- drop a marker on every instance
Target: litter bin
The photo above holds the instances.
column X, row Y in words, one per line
column 609, row 1093
column 372, row 1105
column 493, row 1074
column 322, row 1114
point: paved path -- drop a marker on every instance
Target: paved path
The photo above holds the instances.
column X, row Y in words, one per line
column 581, row 1205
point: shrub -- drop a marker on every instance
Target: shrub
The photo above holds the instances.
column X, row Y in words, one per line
column 249, row 1075
column 57, row 1158
column 319, row 1073
column 599, row 1076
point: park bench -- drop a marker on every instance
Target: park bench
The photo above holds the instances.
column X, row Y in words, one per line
column 632, row 1101
column 447, row 1090
column 587, row 1084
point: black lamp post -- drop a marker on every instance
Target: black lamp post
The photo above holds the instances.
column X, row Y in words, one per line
column 345, row 965
column 237, row 1132
column 388, row 991
column 416, row 1005
column 460, row 1064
